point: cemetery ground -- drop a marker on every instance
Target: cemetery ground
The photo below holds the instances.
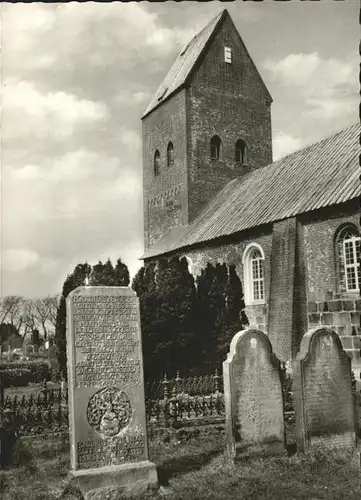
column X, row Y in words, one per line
column 197, row 469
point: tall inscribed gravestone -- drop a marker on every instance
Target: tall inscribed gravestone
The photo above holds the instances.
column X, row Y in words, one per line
column 324, row 404
column 108, row 439
column 253, row 396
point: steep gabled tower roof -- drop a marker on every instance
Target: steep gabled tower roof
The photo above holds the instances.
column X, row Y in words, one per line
column 181, row 71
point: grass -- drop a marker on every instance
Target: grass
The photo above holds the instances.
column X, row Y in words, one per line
column 199, row 470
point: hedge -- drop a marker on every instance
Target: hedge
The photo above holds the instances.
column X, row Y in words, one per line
column 15, row 377
column 23, row 373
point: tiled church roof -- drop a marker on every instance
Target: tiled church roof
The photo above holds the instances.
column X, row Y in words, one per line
column 320, row 175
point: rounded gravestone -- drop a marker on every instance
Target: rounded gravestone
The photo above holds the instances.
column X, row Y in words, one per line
column 253, row 395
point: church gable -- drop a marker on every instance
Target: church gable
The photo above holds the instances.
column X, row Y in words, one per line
column 226, row 63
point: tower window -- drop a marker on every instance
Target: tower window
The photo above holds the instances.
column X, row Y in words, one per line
column 170, row 155
column 227, row 55
column 241, row 152
column 216, row 148
column 156, row 163
column 348, row 245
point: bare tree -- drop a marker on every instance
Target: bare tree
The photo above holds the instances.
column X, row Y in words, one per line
column 28, row 317
column 45, row 313
column 52, row 302
column 11, row 310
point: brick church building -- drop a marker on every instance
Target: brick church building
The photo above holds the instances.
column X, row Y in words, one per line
column 213, row 194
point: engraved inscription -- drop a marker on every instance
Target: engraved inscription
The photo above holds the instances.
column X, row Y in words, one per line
column 106, row 340
column 126, row 448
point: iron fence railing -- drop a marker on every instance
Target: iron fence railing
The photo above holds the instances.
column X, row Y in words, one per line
column 170, row 403
column 45, row 412
column 202, row 385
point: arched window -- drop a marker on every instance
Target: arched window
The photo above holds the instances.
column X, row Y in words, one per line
column 216, row 148
column 253, row 267
column 156, row 163
column 347, row 250
column 170, row 155
column 241, row 155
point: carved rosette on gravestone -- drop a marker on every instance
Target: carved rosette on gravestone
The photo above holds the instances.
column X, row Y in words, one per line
column 108, row 437
column 324, row 405
column 253, row 396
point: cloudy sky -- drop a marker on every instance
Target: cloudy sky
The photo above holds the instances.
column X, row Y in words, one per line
column 75, row 81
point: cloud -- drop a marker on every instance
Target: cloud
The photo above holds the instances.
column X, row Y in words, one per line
column 24, row 28
column 130, row 138
column 19, row 259
column 127, row 96
column 334, row 103
column 284, row 144
column 75, row 166
column 327, row 86
column 310, row 69
column 26, row 110
column 131, row 30
column 79, row 184
column 294, row 69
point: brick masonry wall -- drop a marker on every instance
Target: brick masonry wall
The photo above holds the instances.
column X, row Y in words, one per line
column 227, row 100
column 165, row 196
column 300, row 319
column 320, row 232
column 343, row 316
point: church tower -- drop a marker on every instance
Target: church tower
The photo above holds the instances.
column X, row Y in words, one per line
column 208, row 123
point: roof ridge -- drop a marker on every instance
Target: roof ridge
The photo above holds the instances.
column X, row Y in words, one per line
column 220, row 14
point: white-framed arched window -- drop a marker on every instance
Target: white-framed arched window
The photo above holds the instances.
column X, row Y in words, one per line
column 253, row 272
column 347, row 254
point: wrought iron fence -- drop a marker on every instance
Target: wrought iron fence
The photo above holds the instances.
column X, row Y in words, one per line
column 46, row 412
column 170, row 403
column 202, row 385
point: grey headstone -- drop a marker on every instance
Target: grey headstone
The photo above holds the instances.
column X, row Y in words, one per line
column 253, row 396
